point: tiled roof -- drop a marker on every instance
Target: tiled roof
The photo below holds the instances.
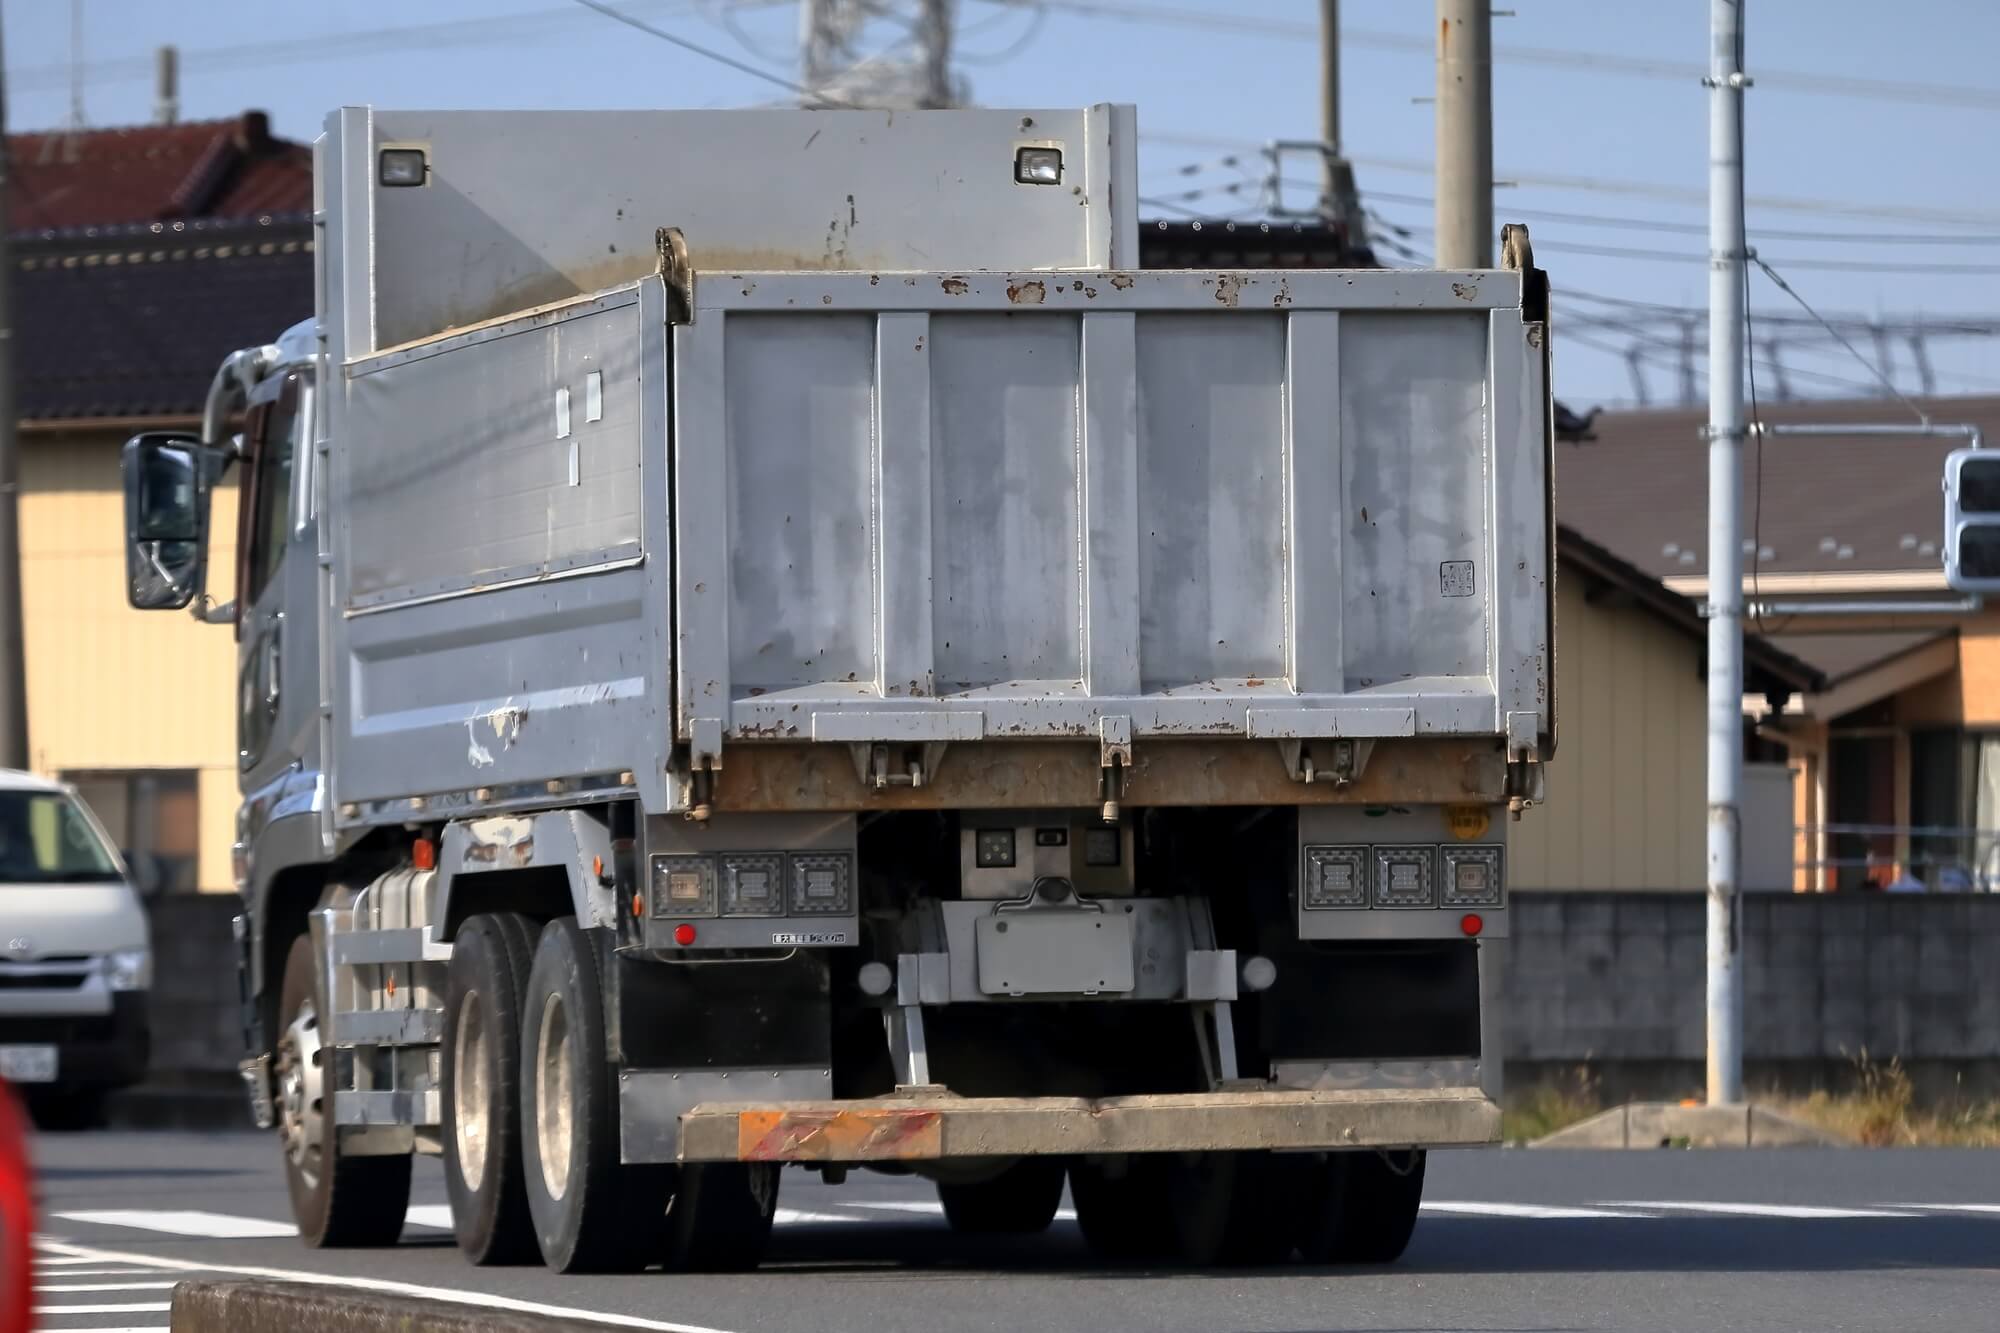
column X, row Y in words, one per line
column 1829, row 505
column 63, row 181
column 134, row 323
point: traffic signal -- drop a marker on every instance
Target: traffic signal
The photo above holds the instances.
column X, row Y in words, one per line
column 1972, row 520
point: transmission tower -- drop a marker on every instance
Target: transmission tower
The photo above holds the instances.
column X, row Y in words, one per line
column 892, row 54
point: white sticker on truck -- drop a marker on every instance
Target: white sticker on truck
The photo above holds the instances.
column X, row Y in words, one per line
column 797, row 938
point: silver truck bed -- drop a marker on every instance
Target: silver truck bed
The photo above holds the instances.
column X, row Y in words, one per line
column 851, row 507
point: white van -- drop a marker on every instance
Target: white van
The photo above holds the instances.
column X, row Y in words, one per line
column 75, row 959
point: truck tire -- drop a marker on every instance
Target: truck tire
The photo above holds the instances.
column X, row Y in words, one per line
column 592, row 1213
column 720, row 1217
column 1020, row 1201
column 1230, row 1208
column 1125, row 1219
column 338, row 1201
column 1362, row 1207
column 482, row 1089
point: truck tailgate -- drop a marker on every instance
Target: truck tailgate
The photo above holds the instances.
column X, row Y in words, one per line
column 935, row 507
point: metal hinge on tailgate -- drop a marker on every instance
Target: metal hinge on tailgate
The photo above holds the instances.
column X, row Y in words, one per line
column 1114, row 760
column 1338, row 760
column 1525, row 775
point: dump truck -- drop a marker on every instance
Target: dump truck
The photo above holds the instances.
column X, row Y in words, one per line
column 770, row 639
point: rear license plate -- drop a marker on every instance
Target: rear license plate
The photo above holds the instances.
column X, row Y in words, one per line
column 28, row 1064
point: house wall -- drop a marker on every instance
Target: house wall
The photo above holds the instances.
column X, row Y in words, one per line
column 1626, row 790
column 110, row 688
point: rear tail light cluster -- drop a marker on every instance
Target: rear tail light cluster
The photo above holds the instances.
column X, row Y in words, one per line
column 1339, row 878
column 753, row 884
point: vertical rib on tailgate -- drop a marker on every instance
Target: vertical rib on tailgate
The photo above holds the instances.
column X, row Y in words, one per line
column 940, row 507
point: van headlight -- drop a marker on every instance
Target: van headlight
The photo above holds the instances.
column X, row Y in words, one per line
column 128, row 969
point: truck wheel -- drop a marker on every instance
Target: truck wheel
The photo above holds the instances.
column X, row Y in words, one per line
column 338, row 1201
column 1125, row 1219
column 1230, row 1208
column 591, row 1212
column 482, row 1089
column 1362, row 1207
column 720, row 1218
column 1018, row 1202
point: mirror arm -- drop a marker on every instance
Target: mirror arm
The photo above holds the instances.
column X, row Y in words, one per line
column 233, row 381
column 211, row 612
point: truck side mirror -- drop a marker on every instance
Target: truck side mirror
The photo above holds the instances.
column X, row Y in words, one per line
column 167, row 479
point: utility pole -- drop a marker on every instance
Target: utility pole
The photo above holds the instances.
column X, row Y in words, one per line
column 1329, row 88
column 13, row 659
column 166, row 85
column 1464, row 134
column 1726, row 274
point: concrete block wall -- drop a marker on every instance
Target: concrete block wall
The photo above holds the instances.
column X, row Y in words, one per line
column 1617, row 981
column 196, row 1032
column 1614, row 980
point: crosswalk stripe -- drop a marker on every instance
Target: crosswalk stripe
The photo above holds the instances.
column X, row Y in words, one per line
column 1979, row 1208
column 1796, row 1212
column 1528, row 1210
column 185, row 1222
column 93, row 1272
column 145, row 1307
column 105, row 1286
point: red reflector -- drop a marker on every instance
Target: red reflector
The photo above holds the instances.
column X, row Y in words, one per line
column 684, row 934
column 1471, row 924
column 424, row 854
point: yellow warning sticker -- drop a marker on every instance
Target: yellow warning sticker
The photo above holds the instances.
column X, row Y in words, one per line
column 1468, row 821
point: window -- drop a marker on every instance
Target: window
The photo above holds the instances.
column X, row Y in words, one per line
column 271, row 490
column 45, row 839
column 153, row 816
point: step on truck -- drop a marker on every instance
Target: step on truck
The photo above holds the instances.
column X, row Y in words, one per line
column 769, row 639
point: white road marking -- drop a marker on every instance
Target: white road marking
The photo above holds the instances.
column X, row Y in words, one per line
column 929, row 1207
column 107, row 1286
column 90, row 1272
column 811, row 1217
column 436, row 1216
column 210, row 1226
column 1796, row 1212
column 461, row 1297
column 1532, row 1210
column 1993, row 1208
column 146, row 1307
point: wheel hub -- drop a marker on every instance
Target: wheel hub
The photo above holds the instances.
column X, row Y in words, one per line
column 470, row 1112
column 301, row 1092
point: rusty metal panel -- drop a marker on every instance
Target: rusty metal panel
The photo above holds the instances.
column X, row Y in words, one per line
column 1264, row 505
column 917, row 1127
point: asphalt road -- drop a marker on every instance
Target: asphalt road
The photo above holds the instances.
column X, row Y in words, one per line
column 1510, row 1240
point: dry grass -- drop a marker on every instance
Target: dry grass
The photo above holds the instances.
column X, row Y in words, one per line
column 1883, row 1111
column 1543, row 1109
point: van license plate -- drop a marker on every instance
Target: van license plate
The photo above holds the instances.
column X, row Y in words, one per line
column 28, row 1064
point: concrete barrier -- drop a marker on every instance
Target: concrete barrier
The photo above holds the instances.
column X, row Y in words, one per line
column 288, row 1307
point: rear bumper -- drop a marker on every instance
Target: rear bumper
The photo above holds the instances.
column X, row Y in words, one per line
column 92, row 1050
column 931, row 1125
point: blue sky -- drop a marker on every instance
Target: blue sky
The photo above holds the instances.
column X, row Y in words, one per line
column 1868, row 119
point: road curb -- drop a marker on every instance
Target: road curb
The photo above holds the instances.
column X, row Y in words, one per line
column 287, row 1307
column 1672, row 1124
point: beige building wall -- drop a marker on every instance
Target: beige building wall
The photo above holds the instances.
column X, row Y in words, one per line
column 1626, row 791
column 110, row 688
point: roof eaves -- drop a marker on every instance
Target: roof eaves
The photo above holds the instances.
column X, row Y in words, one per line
column 1576, row 550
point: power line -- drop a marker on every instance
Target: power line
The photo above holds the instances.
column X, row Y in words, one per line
column 1594, row 62
column 719, row 57
column 1786, row 288
column 1701, row 229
